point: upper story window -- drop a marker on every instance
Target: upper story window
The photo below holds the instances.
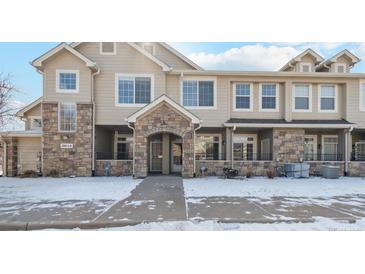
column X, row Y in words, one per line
column 198, row 93
column 328, row 98
column 269, row 97
column 35, row 122
column 242, row 99
column 67, row 81
column 134, row 89
column 67, row 117
column 302, row 97
column 340, row 68
column 305, row 67
column 362, row 96
column 108, row 48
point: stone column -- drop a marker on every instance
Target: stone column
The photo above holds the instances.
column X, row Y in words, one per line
column 288, row 144
column 12, row 157
column 165, row 153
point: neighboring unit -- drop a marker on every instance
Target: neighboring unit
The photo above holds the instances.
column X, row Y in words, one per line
column 141, row 108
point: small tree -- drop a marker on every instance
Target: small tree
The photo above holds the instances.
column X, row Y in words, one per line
column 7, row 108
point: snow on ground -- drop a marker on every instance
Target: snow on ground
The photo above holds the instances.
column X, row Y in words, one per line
column 321, row 224
column 62, row 189
column 265, row 188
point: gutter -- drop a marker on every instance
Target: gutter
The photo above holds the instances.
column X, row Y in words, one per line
column 93, row 122
column 258, row 125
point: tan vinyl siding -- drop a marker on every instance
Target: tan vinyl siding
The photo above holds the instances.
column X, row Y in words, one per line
column 28, row 150
column 354, row 114
column 36, row 111
column 169, row 58
column 66, row 61
column 126, row 60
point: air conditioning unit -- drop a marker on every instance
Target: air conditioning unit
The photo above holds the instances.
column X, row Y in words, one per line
column 297, row 170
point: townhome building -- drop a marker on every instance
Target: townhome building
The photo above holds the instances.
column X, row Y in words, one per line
column 144, row 108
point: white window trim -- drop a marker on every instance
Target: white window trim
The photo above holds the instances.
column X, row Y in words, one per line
column 341, row 64
column 319, row 99
column 277, row 99
column 31, row 118
column 309, row 96
column 361, row 91
column 116, row 141
column 214, row 79
column 212, row 135
column 59, row 117
column 121, row 75
column 322, row 143
column 315, row 144
column 108, row 53
column 235, row 97
column 68, row 91
column 302, row 64
column 254, row 142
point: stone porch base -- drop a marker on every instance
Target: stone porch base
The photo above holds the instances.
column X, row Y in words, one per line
column 118, row 167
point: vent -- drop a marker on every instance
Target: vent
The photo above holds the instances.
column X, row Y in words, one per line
column 107, row 48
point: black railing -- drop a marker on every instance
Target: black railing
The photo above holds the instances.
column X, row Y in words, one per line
column 357, row 156
column 113, row 156
column 210, row 156
column 323, row 157
column 253, row 157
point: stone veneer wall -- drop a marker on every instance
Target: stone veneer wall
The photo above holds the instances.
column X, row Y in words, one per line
column 118, row 167
column 77, row 160
column 163, row 119
column 288, row 144
column 357, row 169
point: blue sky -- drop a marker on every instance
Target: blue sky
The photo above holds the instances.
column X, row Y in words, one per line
column 15, row 58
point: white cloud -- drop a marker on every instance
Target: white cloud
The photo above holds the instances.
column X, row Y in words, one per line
column 360, row 51
column 250, row 57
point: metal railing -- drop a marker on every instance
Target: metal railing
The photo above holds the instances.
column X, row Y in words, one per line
column 323, row 157
column 210, row 156
column 357, row 156
column 113, row 156
column 253, row 157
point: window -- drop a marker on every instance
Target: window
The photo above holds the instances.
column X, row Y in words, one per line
column 310, row 148
column 329, row 148
column 198, row 93
column 67, row 117
column 242, row 99
column 302, row 98
column 67, row 81
column 35, row 122
column 244, row 147
column 207, row 147
column 269, row 97
column 305, row 67
column 266, row 149
column 134, row 90
column 124, row 147
column 108, row 48
column 327, row 101
column 362, row 96
column 340, row 68
column 359, row 151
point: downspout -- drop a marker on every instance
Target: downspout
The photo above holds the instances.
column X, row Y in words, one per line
column 5, row 160
column 233, row 129
column 134, row 150
column 42, row 140
column 194, row 160
column 346, row 151
column 93, row 122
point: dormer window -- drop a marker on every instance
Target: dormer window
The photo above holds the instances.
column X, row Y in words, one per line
column 35, row 122
column 340, row 68
column 305, row 67
column 108, row 48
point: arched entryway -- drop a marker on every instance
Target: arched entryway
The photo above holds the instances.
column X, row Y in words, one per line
column 165, row 153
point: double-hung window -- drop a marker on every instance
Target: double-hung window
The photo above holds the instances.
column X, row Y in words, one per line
column 67, row 117
column 207, row 147
column 329, row 148
column 134, row 90
column 327, row 98
column 67, row 81
column 244, row 147
column 362, row 96
column 269, row 97
column 243, row 97
column 302, row 97
column 124, row 147
column 198, row 93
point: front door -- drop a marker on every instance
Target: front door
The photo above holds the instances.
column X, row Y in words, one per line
column 176, row 159
column 156, row 156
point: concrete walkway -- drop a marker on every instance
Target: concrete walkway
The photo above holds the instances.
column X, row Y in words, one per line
column 155, row 199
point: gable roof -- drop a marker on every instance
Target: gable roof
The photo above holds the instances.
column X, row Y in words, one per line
column 28, row 107
column 299, row 57
column 163, row 98
column 333, row 59
column 62, row 46
column 180, row 55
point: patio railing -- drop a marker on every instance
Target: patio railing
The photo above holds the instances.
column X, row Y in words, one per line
column 113, row 156
column 357, row 156
column 253, row 157
column 323, row 157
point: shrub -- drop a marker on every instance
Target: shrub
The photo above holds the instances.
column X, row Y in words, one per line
column 249, row 173
column 54, row 173
column 29, row 174
column 271, row 173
